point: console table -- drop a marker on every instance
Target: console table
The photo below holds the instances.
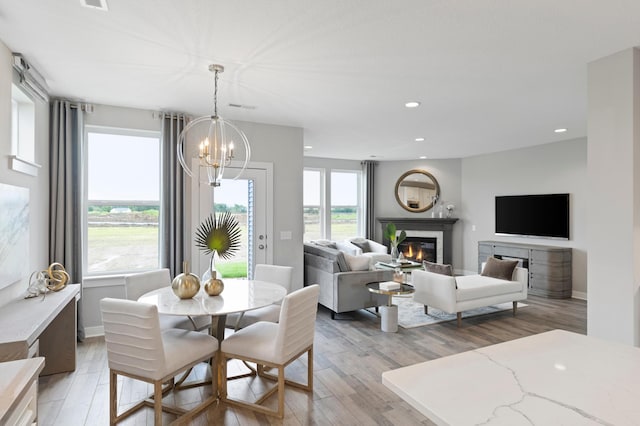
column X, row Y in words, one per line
column 41, row 327
column 549, row 267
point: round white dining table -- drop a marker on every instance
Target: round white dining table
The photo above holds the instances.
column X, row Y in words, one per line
column 238, row 296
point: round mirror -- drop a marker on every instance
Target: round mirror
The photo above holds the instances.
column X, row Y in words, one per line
column 417, row 191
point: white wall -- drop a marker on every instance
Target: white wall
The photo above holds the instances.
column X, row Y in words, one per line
column 123, row 118
column 614, row 216
column 552, row 168
column 38, row 186
column 282, row 146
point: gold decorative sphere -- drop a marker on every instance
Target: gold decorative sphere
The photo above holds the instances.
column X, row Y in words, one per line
column 213, row 287
column 185, row 285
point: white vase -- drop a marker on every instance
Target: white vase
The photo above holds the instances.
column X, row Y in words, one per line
column 211, row 270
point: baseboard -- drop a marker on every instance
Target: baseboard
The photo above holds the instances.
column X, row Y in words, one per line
column 94, row 331
column 579, row 295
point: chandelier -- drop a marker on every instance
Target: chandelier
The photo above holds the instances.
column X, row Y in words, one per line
column 215, row 143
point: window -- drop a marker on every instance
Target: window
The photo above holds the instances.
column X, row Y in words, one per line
column 312, row 204
column 122, row 200
column 345, row 206
column 23, row 132
column 335, row 214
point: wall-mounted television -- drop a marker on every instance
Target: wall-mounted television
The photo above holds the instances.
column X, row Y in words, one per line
column 543, row 215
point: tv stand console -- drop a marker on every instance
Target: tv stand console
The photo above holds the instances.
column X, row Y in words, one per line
column 549, row 267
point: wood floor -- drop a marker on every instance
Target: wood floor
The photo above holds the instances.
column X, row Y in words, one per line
column 350, row 355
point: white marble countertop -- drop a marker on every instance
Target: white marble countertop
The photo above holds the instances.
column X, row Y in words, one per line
column 552, row 378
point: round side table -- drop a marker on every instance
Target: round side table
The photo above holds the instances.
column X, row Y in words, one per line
column 389, row 313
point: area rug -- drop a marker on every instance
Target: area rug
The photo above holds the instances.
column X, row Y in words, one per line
column 411, row 314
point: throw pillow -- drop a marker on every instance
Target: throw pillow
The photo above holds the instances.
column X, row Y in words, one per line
column 498, row 268
column 362, row 243
column 438, row 268
column 357, row 263
column 326, row 243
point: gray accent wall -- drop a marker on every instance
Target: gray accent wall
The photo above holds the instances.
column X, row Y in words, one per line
column 447, row 172
column 559, row 167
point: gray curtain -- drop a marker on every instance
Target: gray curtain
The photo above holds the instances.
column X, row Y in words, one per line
column 369, row 172
column 65, row 192
column 172, row 210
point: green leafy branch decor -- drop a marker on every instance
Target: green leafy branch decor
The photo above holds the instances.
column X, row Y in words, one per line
column 220, row 234
column 217, row 234
column 391, row 234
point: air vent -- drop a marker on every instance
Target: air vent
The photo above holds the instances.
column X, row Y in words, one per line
column 95, row 4
column 242, row 106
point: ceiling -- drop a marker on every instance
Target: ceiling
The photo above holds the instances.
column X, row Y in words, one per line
column 491, row 75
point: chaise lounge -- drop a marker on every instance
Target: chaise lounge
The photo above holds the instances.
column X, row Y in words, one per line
column 457, row 294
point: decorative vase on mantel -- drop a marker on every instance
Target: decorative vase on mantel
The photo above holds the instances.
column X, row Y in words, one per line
column 212, row 279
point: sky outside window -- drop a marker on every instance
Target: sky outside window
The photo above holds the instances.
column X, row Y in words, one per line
column 123, row 167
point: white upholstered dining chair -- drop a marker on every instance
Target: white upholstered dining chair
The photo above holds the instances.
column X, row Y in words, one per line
column 282, row 275
column 275, row 345
column 138, row 348
column 135, row 285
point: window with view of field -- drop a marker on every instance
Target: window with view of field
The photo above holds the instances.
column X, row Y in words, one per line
column 122, row 201
column 335, row 217
column 345, row 205
column 312, row 206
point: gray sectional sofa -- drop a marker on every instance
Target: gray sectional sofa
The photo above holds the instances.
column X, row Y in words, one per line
column 341, row 289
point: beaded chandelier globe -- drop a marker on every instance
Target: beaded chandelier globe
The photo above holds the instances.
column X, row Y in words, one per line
column 215, row 143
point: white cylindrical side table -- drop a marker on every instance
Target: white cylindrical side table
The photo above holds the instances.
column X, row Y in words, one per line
column 389, row 313
column 389, row 318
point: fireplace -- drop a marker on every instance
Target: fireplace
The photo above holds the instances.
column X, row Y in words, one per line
column 419, row 249
column 427, row 230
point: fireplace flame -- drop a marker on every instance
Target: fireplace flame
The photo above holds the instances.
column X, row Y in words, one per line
column 413, row 254
column 418, row 252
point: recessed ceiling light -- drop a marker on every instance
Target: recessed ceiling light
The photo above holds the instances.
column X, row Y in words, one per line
column 308, row 147
column 422, row 157
column 560, row 130
column 419, row 139
column 412, row 104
